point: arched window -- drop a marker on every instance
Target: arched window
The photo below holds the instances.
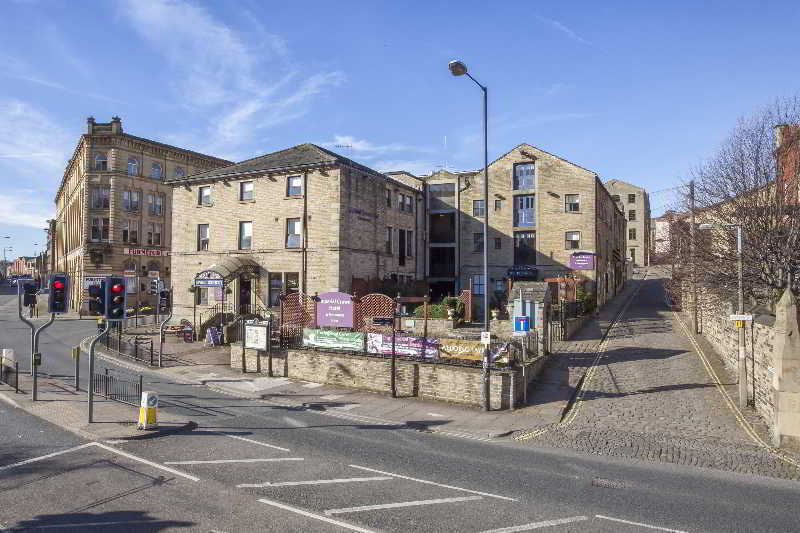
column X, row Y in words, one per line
column 100, row 161
column 155, row 171
column 179, row 172
column 133, row 167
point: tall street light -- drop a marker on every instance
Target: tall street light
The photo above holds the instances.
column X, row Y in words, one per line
column 742, row 370
column 458, row 68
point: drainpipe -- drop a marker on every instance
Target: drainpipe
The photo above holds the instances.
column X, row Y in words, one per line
column 304, row 258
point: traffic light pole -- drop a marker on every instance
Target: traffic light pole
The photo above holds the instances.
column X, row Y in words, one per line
column 35, row 332
column 91, row 370
column 161, row 328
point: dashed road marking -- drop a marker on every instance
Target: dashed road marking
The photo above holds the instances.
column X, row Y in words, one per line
column 314, row 482
column 397, row 505
column 538, row 525
column 315, row 516
column 331, row 397
column 639, row 524
column 312, row 385
column 227, row 461
column 251, row 441
column 435, row 484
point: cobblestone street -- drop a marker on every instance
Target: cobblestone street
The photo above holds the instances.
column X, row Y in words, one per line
column 650, row 397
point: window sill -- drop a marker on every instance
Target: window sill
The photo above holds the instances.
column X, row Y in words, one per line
column 247, row 201
column 293, row 197
column 573, row 212
column 204, row 205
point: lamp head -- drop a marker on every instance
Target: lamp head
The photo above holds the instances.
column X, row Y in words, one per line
column 457, row 68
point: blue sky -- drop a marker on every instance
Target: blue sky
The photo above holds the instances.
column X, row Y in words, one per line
column 639, row 91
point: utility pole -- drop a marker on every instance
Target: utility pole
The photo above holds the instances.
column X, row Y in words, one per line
column 693, row 272
column 742, row 362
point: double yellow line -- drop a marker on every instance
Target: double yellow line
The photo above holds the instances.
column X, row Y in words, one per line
column 572, row 414
column 737, row 413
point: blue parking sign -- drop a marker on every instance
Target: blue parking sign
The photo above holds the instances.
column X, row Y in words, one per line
column 522, row 323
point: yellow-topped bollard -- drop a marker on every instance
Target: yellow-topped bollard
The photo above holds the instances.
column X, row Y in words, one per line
column 148, row 411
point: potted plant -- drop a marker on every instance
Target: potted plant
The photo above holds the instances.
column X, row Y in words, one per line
column 451, row 303
column 495, row 313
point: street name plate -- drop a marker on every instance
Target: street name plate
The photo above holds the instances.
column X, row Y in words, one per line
column 741, row 317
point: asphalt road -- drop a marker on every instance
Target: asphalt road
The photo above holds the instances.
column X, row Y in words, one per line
column 252, row 466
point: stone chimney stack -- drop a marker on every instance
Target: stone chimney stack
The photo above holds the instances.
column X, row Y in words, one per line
column 89, row 125
column 116, row 125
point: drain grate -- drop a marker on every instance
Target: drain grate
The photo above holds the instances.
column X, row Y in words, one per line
column 608, row 483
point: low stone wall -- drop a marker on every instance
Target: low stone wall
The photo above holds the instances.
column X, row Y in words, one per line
column 573, row 325
column 424, row 380
column 437, row 327
column 721, row 332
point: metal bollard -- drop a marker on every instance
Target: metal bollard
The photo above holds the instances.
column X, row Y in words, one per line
column 76, row 355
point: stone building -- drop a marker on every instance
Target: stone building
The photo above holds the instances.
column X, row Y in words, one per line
column 635, row 203
column 548, row 218
column 22, row 266
column 113, row 210
column 301, row 219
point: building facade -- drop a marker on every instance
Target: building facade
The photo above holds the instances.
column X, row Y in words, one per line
column 635, row 203
column 113, row 210
column 302, row 219
column 548, row 218
column 22, row 266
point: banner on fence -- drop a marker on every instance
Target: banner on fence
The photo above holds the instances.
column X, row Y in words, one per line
column 382, row 344
column 332, row 339
column 461, row 349
column 213, row 337
column 255, row 336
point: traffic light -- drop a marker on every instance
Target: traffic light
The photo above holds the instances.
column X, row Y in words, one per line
column 97, row 294
column 28, row 293
column 154, row 286
column 116, row 298
column 59, row 289
column 163, row 301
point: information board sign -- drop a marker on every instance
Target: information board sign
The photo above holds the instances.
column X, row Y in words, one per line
column 335, row 309
column 255, row 336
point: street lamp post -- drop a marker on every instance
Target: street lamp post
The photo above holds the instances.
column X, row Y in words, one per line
column 458, row 68
column 740, row 274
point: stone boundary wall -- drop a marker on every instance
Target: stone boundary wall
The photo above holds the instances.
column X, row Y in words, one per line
column 713, row 313
column 443, row 327
column 574, row 325
column 429, row 381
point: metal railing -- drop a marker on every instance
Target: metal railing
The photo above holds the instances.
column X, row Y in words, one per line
column 9, row 372
column 117, row 389
column 141, row 349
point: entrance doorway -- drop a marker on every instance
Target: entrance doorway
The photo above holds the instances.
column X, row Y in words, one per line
column 245, row 289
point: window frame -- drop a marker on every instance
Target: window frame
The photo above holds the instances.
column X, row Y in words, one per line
column 477, row 242
column 632, row 234
column 180, row 172
column 498, row 243
column 568, row 240
column 207, row 238
column 568, row 205
column 242, row 225
column 242, row 191
column 478, row 208
column 153, row 166
column 100, row 157
column 409, row 243
column 388, row 197
column 631, row 215
column 289, row 186
column 515, row 183
column 631, row 195
column 103, row 194
column 138, row 198
column 200, row 195
column 498, row 205
column 389, row 244
column 132, row 161
column 519, row 201
column 299, row 233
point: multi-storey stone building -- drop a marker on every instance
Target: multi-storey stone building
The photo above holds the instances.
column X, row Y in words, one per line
column 22, row 266
column 548, row 218
column 635, row 203
column 301, row 219
column 114, row 210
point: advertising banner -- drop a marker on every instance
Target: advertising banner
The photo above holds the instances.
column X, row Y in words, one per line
column 335, row 309
column 351, row 341
column 461, row 349
column 255, row 336
column 381, row 343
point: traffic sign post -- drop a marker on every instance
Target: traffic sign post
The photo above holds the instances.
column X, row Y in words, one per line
column 36, row 357
column 522, row 323
column 58, row 302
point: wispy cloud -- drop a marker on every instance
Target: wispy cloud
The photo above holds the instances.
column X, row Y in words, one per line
column 244, row 82
column 563, row 29
column 366, row 147
column 16, row 210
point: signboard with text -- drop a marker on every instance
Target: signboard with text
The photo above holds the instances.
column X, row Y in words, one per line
column 145, row 251
column 581, row 261
column 381, row 343
column 351, row 341
column 335, row 309
column 255, row 336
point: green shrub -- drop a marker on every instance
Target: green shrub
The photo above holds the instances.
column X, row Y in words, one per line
column 434, row 311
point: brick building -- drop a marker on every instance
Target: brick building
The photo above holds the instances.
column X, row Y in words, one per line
column 114, row 210
column 635, row 203
column 301, row 219
column 22, row 266
column 548, row 217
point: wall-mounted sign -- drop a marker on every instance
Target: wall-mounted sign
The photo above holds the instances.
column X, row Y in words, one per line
column 522, row 272
column 89, row 281
column 581, row 261
column 208, row 282
column 255, row 336
column 381, row 343
column 335, row 309
column 351, row 341
column 145, row 251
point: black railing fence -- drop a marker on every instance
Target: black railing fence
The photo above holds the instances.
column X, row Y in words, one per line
column 118, row 389
column 9, row 372
column 139, row 348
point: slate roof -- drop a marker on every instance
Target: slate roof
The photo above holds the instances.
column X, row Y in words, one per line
column 538, row 291
column 297, row 157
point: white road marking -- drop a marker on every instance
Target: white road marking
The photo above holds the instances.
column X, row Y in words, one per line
column 115, row 441
column 293, row 422
column 43, row 457
column 145, row 461
column 9, row 400
column 345, row 407
column 331, row 397
column 312, row 385
column 315, row 482
column 434, row 414
column 91, row 524
column 436, row 484
column 537, row 525
column 316, row 516
column 640, row 524
column 225, row 461
column 237, row 437
column 400, row 504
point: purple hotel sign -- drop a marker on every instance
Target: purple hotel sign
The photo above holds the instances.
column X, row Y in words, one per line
column 335, row 309
column 581, row 262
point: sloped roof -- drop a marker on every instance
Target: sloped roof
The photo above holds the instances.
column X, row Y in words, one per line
column 296, row 157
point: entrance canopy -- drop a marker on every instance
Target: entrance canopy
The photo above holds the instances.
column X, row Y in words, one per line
column 230, row 268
